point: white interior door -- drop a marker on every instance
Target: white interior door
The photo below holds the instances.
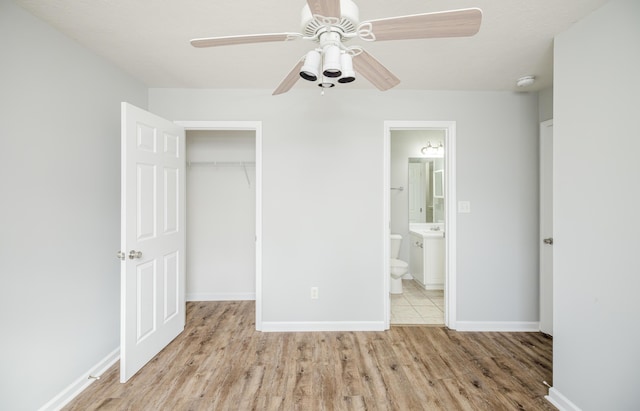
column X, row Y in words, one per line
column 546, row 227
column 152, row 237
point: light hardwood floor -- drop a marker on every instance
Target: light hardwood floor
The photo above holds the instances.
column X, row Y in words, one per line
column 221, row 363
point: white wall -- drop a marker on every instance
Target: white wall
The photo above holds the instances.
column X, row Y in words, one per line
column 403, row 145
column 323, row 195
column 221, row 211
column 545, row 104
column 60, row 185
column 596, row 268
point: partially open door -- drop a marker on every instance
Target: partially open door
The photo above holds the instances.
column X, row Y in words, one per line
column 152, row 237
column 546, row 227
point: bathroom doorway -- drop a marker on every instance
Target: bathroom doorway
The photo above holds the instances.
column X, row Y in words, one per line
column 224, row 185
column 419, row 204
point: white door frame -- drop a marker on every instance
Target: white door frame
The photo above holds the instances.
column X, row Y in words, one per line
column 257, row 127
column 450, row 214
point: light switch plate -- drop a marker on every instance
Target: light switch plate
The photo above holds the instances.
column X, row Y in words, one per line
column 464, row 206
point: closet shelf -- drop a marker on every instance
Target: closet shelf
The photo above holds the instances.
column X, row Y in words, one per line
column 243, row 164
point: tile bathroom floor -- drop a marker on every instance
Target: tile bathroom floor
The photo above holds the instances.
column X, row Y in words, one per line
column 417, row 306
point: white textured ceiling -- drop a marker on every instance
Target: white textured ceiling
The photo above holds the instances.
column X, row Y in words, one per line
column 150, row 40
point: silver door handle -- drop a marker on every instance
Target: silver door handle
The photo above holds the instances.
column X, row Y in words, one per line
column 135, row 254
column 121, row 255
column 548, row 241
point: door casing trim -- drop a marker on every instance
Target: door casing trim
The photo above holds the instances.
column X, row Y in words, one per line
column 255, row 126
column 450, row 214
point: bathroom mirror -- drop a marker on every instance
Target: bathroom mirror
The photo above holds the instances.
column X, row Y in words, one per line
column 438, row 184
column 426, row 190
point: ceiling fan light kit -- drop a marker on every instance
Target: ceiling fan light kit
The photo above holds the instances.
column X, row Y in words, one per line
column 326, row 84
column 346, row 63
column 333, row 22
column 311, row 67
column 331, row 61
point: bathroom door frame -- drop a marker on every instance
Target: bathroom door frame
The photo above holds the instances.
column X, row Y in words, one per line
column 255, row 126
column 450, row 212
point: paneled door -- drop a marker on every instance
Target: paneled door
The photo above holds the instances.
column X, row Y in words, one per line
column 152, row 237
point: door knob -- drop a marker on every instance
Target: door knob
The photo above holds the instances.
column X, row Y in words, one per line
column 548, row 241
column 121, row 255
column 135, row 254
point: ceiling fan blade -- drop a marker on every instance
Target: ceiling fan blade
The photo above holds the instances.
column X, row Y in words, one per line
column 325, row 8
column 291, row 78
column 244, row 39
column 453, row 23
column 371, row 69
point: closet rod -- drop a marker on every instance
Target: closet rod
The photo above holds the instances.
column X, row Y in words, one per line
column 222, row 163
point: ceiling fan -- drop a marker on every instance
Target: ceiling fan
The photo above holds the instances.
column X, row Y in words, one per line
column 330, row 23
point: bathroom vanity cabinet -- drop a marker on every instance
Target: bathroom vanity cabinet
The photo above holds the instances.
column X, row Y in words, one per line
column 416, row 258
column 426, row 260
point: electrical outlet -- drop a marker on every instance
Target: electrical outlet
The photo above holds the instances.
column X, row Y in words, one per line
column 314, row 293
column 464, row 206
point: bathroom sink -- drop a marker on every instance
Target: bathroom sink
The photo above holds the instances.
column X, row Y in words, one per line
column 432, row 233
column 429, row 233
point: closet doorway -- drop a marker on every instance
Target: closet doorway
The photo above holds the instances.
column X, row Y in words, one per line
column 223, row 212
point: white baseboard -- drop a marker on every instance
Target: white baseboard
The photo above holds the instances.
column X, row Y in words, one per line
column 221, row 296
column 292, row 326
column 500, row 326
column 560, row 401
column 72, row 391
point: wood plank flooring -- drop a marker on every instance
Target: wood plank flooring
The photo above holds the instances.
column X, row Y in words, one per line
column 221, row 363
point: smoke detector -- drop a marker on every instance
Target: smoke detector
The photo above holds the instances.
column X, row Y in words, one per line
column 525, row 81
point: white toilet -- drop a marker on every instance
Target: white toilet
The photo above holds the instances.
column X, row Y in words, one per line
column 398, row 267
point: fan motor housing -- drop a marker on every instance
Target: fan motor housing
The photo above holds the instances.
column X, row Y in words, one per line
column 348, row 22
